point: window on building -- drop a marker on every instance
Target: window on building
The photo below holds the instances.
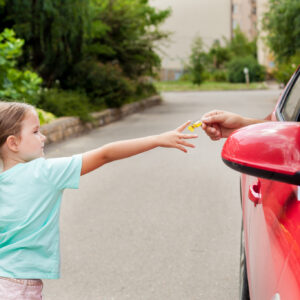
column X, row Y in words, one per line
column 234, row 8
column 234, row 24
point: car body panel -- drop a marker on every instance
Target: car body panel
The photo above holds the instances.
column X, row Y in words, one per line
column 271, row 208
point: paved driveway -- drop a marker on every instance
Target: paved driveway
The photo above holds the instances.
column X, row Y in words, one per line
column 163, row 225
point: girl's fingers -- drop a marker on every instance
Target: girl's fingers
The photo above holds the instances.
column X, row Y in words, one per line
column 181, row 142
column 188, row 136
column 183, row 126
column 181, row 148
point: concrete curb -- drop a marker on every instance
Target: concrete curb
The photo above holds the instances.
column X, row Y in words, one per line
column 67, row 127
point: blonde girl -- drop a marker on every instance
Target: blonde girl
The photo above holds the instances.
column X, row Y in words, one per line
column 31, row 190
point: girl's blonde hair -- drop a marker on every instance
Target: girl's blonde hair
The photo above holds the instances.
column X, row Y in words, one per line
column 11, row 116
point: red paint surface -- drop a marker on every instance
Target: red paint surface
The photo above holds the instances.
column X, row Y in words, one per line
column 271, row 209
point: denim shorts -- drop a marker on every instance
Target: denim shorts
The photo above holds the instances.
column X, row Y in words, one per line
column 20, row 289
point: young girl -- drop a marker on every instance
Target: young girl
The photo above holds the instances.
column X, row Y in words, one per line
column 31, row 189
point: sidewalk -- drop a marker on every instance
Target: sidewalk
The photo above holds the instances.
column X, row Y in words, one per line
column 274, row 85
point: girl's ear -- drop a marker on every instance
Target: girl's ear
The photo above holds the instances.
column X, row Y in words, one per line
column 12, row 143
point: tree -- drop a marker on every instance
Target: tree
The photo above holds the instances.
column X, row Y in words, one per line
column 15, row 84
column 219, row 54
column 53, row 31
column 282, row 22
column 198, row 60
column 240, row 46
column 125, row 32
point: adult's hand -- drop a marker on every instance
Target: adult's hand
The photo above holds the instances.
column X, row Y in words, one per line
column 219, row 124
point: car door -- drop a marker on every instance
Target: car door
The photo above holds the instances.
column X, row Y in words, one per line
column 271, row 216
column 289, row 282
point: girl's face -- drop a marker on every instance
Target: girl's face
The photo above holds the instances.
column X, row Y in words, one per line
column 31, row 143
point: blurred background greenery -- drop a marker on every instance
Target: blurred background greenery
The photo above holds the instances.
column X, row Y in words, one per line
column 77, row 56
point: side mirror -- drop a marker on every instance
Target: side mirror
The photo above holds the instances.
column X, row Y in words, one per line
column 268, row 150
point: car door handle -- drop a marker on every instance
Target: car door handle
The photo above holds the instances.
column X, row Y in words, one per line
column 254, row 193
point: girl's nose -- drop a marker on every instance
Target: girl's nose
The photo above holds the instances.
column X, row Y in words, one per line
column 43, row 137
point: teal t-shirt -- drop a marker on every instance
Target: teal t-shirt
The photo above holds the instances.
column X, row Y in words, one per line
column 30, row 199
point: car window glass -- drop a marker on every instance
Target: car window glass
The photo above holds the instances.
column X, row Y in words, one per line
column 291, row 108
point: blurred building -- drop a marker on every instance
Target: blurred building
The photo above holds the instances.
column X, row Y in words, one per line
column 248, row 15
column 264, row 55
column 190, row 18
column 244, row 16
column 211, row 20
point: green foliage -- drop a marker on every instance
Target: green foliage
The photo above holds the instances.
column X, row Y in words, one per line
column 285, row 70
column 144, row 89
column 53, row 30
column 15, row 84
column 282, row 22
column 197, row 61
column 218, row 55
column 65, row 103
column 221, row 62
column 240, row 46
column 219, row 76
column 236, row 69
column 103, row 83
column 125, row 32
column 96, row 46
column 44, row 116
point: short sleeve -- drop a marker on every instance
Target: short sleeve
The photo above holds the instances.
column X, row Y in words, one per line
column 64, row 172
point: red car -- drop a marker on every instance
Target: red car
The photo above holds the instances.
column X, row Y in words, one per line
column 268, row 156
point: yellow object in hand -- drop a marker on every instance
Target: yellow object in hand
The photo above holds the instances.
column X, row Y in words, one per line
column 195, row 125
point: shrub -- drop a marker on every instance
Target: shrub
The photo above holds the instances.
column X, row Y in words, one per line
column 65, row 103
column 284, row 71
column 103, row 83
column 145, row 90
column 198, row 60
column 16, row 85
column 236, row 69
column 219, row 76
column 45, row 116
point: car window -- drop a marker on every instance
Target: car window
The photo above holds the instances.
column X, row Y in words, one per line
column 291, row 108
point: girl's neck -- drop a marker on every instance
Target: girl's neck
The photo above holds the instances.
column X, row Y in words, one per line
column 9, row 163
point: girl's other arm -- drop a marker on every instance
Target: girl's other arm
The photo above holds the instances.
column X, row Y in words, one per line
column 94, row 159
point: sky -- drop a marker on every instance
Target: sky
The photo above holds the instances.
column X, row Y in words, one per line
column 191, row 18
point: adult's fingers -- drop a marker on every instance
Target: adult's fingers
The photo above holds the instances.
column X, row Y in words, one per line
column 214, row 117
column 213, row 131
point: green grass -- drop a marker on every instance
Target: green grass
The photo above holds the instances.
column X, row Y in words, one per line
column 181, row 86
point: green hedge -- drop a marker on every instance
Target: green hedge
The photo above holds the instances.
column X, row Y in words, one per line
column 65, row 103
column 236, row 69
column 103, row 83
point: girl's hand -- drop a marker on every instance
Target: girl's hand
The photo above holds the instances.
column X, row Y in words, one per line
column 176, row 139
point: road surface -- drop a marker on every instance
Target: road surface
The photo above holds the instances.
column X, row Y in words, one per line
column 163, row 225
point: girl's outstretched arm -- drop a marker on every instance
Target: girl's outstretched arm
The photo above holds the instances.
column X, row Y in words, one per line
column 94, row 159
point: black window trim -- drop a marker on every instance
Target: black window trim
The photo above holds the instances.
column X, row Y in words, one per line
column 279, row 109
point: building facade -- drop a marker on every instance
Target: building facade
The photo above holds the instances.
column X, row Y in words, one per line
column 264, row 55
column 211, row 20
column 189, row 19
column 248, row 16
column 244, row 16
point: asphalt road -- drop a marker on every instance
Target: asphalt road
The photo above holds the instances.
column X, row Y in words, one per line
column 163, row 225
